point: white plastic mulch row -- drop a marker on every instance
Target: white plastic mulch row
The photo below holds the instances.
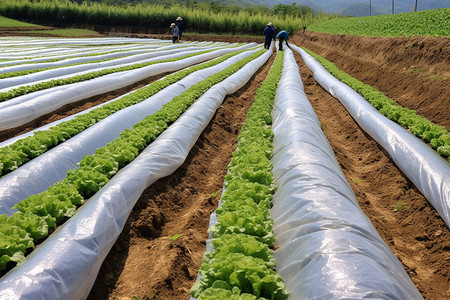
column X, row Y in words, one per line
column 328, row 249
column 26, row 65
column 424, row 167
column 8, row 84
column 43, row 171
column 33, row 42
column 28, row 107
column 66, row 264
column 72, row 53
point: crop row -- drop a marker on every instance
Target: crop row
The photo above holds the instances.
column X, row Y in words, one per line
column 15, row 92
column 40, row 213
column 241, row 264
column 437, row 136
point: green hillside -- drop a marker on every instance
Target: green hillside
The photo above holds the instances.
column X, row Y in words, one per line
column 429, row 22
column 7, row 22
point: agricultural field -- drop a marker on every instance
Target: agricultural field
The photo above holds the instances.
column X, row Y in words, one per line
column 424, row 23
column 143, row 133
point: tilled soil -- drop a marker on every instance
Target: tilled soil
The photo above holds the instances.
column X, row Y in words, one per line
column 149, row 261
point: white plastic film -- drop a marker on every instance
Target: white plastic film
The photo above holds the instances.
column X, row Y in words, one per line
column 328, row 249
column 8, row 84
column 424, row 167
column 131, row 57
column 66, row 264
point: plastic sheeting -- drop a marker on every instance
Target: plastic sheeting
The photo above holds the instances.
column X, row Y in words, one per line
column 8, row 84
column 34, row 105
column 73, row 54
column 423, row 166
column 43, row 171
column 66, row 264
column 85, row 59
column 328, row 249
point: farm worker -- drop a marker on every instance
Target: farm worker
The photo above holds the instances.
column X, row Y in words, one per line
column 180, row 26
column 283, row 36
column 175, row 33
column 269, row 34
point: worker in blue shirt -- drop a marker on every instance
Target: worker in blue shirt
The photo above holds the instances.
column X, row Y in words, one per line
column 179, row 24
column 269, row 34
column 283, row 36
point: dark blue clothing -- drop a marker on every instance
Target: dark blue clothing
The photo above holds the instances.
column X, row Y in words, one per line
column 283, row 35
column 180, row 28
column 269, row 33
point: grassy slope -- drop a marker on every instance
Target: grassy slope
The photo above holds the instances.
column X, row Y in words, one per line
column 434, row 23
column 7, row 22
column 71, row 32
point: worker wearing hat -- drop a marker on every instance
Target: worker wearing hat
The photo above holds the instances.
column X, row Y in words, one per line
column 269, row 35
column 175, row 33
column 179, row 24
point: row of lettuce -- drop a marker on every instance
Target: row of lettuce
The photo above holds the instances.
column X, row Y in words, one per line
column 23, row 90
column 241, row 264
column 23, row 150
column 39, row 214
column 437, row 136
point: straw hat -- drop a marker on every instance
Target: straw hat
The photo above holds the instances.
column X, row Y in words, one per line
column 172, row 25
column 179, row 19
column 270, row 24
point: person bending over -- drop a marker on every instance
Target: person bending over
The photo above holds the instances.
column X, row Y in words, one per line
column 282, row 36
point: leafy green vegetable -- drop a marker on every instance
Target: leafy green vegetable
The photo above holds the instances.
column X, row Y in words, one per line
column 248, row 274
column 14, row 241
column 240, row 243
column 214, row 293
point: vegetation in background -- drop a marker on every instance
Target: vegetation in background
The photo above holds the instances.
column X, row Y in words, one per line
column 428, row 22
column 200, row 18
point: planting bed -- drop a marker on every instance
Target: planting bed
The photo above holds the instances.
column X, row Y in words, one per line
column 159, row 252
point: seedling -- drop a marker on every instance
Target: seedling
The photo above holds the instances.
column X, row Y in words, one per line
column 400, row 206
column 214, row 195
column 175, row 236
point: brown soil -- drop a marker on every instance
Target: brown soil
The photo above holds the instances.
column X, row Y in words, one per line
column 146, row 262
